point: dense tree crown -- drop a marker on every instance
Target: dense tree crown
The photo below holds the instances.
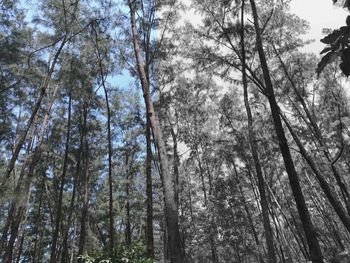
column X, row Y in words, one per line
column 130, row 134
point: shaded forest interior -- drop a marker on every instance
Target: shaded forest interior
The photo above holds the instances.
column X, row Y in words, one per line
column 177, row 131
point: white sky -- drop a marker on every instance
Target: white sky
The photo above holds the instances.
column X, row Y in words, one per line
column 320, row 14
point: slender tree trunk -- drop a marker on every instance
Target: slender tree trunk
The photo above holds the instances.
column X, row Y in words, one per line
column 53, row 256
column 110, row 147
column 110, row 176
column 69, row 219
column 253, row 147
column 331, row 196
column 76, row 182
column 38, row 223
column 19, row 204
column 171, row 212
column 318, row 134
column 310, row 233
column 246, row 208
column 19, row 214
column 295, row 231
column 149, row 192
column 127, row 207
column 85, row 182
column 73, row 242
column 32, row 117
column 20, row 249
column 176, row 163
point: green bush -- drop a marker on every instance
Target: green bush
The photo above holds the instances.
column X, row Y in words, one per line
column 120, row 254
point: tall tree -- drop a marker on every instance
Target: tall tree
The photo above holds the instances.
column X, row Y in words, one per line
column 314, row 247
column 176, row 253
column 253, row 147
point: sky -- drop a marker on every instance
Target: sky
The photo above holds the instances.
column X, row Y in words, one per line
column 320, row 14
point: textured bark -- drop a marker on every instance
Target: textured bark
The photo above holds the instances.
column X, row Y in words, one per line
column 254, row 150
column 310, row 233
column 171, row 212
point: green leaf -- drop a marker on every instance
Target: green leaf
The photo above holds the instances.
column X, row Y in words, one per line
column 327, row 59
column 334, row 36
column 345, row 64
column 325, row 50
column 347, row 4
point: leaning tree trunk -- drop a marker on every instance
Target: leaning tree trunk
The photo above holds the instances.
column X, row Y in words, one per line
column 171, row 212
column 334, row 201
column 19, row 204
column 32, row 117
column 253, row 147
column 310, row 233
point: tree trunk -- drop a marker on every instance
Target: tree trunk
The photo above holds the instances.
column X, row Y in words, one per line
column 19, row 213
column 76, row 182
column 149, row 192
column 38, row 222
column 318, row 134
column 176, row 163
column 85, row 181
column 53, row 256
column 65, row 254
column 310, row 233
column 253, row 147
column 127, row 207
column 19, row 204
column 176, row 253
column 331, row 196
column 30, row 122
column 110, row 148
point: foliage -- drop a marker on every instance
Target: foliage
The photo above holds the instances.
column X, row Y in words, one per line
column 120, row 254
column 338, row 46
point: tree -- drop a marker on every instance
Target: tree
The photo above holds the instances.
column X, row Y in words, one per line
column 176, row 253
